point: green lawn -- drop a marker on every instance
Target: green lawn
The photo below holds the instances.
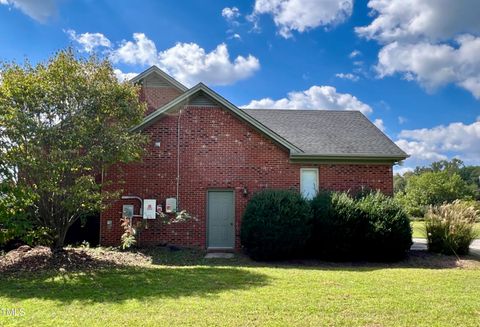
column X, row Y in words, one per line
column 180, row 288
column 419, row 229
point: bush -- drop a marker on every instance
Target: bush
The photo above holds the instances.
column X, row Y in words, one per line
column 450, row 227
column 337, row 226
column 276, row 225
column 371, row 227
column 388, row 232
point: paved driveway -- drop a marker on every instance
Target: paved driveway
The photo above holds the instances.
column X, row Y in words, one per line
column 421, row 244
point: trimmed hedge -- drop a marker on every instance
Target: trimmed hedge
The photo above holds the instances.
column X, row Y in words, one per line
column 280, row 224
column 276, row 225
column 372, row 227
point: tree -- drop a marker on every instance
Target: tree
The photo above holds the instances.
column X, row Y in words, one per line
column 470, row 174
column 62, row 123
column 433, row 188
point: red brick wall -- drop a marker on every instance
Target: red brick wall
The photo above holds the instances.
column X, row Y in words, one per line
column 155, row 97
column 217, row 151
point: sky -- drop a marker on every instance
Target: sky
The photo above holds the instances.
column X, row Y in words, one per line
column 411, row 66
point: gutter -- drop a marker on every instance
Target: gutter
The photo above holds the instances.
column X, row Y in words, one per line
column 350, row 158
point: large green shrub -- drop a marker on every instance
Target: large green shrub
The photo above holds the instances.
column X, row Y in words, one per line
column 337, row 226
column 388, row 233
column 450, row 227
column 371, row 227
column 276, row 225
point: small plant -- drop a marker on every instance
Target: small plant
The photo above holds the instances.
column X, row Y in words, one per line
column 39, row 236
column 131, row 233
column 128, row 237
column 450, row 227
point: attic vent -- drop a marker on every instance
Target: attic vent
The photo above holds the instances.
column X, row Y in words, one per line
column 202, row 100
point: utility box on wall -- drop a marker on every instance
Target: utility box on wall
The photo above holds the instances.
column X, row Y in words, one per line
column 171, row 205
column 149, row 209
column 127, row 211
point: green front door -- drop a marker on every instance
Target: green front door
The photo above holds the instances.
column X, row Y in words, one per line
column 221, row 219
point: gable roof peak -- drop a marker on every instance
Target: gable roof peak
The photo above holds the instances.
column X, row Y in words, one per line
column 155, row 70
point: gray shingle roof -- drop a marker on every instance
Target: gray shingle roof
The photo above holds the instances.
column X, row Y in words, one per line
column 328, row 132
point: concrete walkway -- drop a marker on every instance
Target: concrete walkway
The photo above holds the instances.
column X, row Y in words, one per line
column 421, row 244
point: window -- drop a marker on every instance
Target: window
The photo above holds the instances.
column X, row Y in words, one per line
column 309, row 182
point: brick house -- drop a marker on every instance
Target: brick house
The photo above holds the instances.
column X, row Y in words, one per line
column 211, row 157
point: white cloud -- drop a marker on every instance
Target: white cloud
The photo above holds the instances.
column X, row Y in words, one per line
column 411, row 20
column 316, row 97
column 39, row 10
column 402, row 170
column 121, row 76
column 434, row 65
column 354, row 54
column 187, row 62
column 89, row 41
column 402, row 120
column 303, row 15
column 380, row 124
column 442, row 142
column 235, row 36
column 348, row 76
column 141, row 50
column 230, row 14
column 433, row 42
column 419, row 150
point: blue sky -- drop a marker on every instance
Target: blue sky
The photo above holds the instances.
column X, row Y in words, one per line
column 412, row 66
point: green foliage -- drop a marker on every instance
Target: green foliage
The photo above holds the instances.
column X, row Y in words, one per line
column 372, row 227
column 275, row 225
column 39, row 236
column 399, row 183
column 450, row 227
column 63, row 123
column 432, row 188
column 388, row 235
column 452, row 167
column 337, row 226
column 14, row 215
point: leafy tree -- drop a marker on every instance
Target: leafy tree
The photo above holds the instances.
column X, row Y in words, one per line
column 400, row 181
column 63, row 123
column 432, row 188
column 452, row 166
column 470, row 174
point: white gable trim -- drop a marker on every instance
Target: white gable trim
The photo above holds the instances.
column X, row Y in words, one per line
column 165, row 76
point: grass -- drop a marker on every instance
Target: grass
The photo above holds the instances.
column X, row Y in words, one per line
column 182, row 288
column 418, row 227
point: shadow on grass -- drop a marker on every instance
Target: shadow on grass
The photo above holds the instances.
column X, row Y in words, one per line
column 414, row 260
column 124, row 283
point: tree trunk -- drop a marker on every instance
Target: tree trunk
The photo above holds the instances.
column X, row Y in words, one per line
column 61, row 233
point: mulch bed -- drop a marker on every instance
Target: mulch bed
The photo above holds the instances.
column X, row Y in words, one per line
column 41, row 258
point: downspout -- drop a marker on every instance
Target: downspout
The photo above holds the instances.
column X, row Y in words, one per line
column 178, row 157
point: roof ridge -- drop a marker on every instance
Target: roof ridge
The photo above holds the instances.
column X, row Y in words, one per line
column 306, row 110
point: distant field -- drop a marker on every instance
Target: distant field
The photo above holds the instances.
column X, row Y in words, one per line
column 419, row 229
